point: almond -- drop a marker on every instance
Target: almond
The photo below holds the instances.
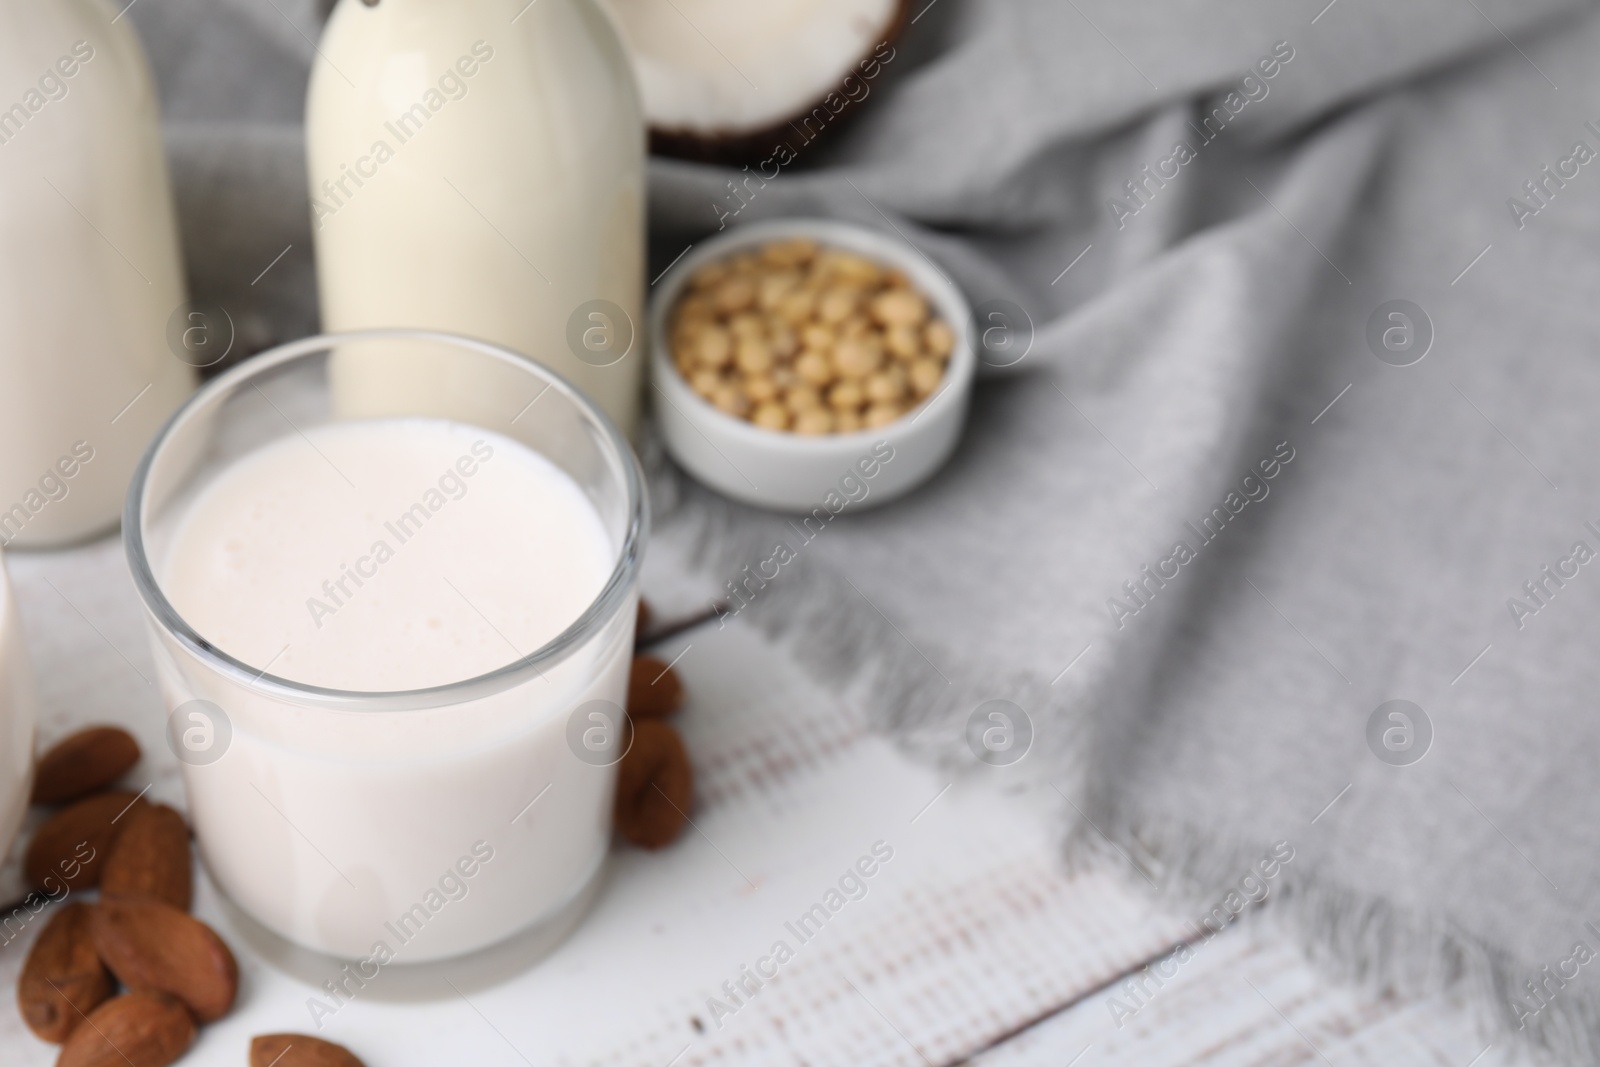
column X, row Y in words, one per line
column 134, row 1030
column 70, row 848
column 81, row 763
column 654, row 691
column 298, row 1050
column 154, row 946
column 150, row 858
column 63, row 978
column 641, row 622
column 655, row 785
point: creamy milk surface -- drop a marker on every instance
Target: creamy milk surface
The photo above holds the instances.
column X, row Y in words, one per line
column 387, row 554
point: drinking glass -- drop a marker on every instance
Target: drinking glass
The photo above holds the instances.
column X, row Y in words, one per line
column 434, row 821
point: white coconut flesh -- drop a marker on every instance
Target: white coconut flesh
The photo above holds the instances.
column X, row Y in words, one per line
column 724, row 67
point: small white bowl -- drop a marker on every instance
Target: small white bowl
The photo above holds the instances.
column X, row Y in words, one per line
column 792, row 472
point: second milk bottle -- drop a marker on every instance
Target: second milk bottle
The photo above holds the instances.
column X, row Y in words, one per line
column 477, row 167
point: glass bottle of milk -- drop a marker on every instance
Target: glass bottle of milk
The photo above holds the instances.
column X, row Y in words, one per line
column 90, row 273
column 477, row 167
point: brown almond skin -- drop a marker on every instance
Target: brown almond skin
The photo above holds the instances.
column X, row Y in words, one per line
column 63, row 978
column 150, row 858
column 140, row 1029
column 84, row 763
column 655, row 785
column 154, row 946
column 70, row 848
column 641, row 622
column 298, row 1050
column 654, row 691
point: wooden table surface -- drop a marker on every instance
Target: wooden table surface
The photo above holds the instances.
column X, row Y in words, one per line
column 971, row 944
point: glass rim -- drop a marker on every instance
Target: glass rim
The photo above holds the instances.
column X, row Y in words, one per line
column 600, row 611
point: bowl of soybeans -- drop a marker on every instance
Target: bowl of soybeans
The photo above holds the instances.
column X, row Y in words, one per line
column 792, row 357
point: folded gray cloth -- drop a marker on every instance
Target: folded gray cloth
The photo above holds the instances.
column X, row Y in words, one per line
column 1305, row 429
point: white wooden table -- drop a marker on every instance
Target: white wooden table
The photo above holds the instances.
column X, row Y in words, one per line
column 970, row 945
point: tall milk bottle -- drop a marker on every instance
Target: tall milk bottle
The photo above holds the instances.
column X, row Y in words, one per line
column 90, row 274
column 477, row 167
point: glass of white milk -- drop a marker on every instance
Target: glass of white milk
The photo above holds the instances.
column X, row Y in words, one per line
column 393, row 630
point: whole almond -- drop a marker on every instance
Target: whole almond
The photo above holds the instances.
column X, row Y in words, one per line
column 82, row 763
column 154, row 946
column 70, row 848
column 150, row 858
column 134, row 1030
column 298, row 1050
column 63, row 978
column 654, row 691
column 655, row 785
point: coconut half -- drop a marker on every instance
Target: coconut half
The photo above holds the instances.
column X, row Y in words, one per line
column 727, row 80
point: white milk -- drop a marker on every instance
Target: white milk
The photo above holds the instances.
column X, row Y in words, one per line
column 368, row 587
column 89, row 269
column 477, row 166
column 17, row 718
column 383, row 555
